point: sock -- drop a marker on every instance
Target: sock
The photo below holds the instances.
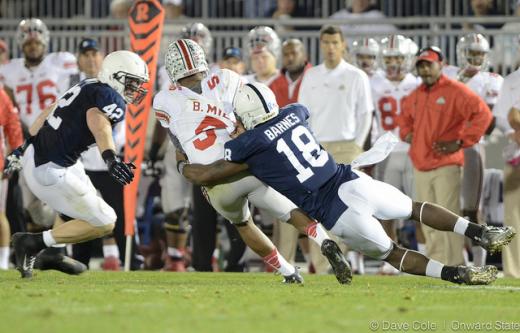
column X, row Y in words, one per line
column 110, row 250
column 175, row 253
column 468, row 229
column 4, row 257
column 479, row 256
column 360, row 263
column 450, row 273
column 351, row 257
column 275, row 260
column 316, row 233
column 434, row 268
column 421, row 248
column 48, row 240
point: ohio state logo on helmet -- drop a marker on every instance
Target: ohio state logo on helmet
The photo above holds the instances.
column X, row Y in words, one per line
column 184, row 58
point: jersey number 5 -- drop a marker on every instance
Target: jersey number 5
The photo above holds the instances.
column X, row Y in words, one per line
column 310, row 149
column 207, row 127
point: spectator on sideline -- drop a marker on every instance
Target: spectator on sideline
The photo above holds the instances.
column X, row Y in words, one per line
column 232, row 60
column 434, row 120
column 338, row 97
column 507, row 112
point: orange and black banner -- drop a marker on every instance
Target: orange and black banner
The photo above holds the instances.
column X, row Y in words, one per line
column 146, row 23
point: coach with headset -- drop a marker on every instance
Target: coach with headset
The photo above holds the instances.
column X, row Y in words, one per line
column 440, row 118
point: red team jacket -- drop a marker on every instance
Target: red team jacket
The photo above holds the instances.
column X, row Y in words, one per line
column 280, row 87
column 447, row 111
column 10, row 124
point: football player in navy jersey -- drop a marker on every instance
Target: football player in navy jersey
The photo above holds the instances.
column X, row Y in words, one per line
column 278, row 148
column 83, row 116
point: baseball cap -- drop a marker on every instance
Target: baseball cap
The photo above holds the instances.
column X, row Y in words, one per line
column 430, row 54
column 87, row 44
column 232, row 52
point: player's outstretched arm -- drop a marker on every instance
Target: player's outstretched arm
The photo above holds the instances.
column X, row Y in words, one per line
column 215, row 173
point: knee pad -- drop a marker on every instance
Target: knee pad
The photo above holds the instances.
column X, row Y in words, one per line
column 177, row 221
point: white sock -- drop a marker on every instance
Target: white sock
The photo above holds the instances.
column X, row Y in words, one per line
column 110, row 250
column 361, row 263
column 48, row 239
column 460, row 226
column 434, row 268
column 278, row 262
column 479, row 256
column 465, row 256
column 352, row 258
column 4, row 257
column 421, row 248
column 175, row 253
column 317, row 233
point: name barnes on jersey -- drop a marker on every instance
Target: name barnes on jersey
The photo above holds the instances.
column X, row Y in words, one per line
column 277, row 129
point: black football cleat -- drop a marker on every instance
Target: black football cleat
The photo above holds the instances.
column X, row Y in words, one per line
column 475, row 275
column 337, row 260
column 495, row 238
column 25, row 250
column 52, row 258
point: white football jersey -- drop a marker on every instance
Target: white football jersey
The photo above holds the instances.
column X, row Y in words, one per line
column 485, row 84
column 387, row 97
column 201, row 122
column 36, row 88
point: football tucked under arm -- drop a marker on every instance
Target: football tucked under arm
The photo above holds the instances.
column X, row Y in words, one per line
column 215, row 173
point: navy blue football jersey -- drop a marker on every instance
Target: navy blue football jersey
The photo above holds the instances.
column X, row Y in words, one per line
column 65, row 133
column 284, row 154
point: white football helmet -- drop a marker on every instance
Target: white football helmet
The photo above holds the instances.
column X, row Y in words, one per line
column 199, row 33
column 125, row 72
column 255, row 104
column 184, row 58
column 477, row 43
column 401, row 47
column 365, row 47
column 32, row 28
column 263, row 37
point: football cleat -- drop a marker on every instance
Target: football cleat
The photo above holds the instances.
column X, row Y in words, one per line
column 25, row 251
column 473, row 275
column 174, row 265
column 337, row 260
column 493, row 239
column 294, row 277
column 52, row 258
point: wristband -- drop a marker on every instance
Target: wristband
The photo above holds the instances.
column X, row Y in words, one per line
column 108, row 155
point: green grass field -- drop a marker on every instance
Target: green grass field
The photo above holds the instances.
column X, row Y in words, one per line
column 230, row 302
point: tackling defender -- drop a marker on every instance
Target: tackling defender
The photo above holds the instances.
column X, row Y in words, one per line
column 198, row 113
column 344, row 200
column 83, row 116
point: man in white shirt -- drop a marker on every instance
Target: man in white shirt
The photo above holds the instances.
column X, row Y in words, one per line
column 338, row 97
column 507, row 113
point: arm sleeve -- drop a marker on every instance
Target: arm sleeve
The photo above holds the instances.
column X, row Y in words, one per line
column 405, row 119
column 479, row 118
column 159, row 108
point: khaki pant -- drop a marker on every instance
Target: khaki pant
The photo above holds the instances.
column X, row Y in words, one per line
column 441, row 186
column 342, row 152
column 511, row 253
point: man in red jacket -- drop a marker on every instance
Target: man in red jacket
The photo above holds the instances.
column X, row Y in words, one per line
column 12, row 130
column 438, row 119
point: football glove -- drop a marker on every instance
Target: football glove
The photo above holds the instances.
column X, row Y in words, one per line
column 13, row 161
column 119, row 170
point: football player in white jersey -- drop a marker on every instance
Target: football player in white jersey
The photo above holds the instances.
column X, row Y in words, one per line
column 365, row 52
column 472, row 53
column 176, row 192
column 199, row 115
column 396, row 56
column 264, row 50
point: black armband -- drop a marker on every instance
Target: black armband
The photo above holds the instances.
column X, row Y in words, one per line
column 108, row 155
